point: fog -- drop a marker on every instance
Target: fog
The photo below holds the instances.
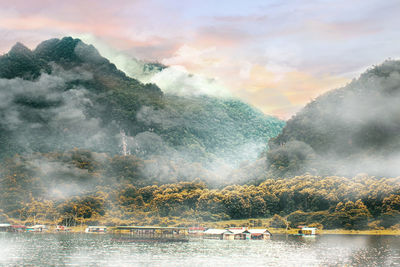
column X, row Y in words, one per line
column 354, row 129
column 174, row 79
column 56, row 114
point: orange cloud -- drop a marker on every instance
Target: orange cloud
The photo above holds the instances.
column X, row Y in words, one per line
column 282, row 94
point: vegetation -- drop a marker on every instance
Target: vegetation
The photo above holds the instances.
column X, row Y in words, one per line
column 112, row 191
column 64, row 94
column 346, row 131
column 65, row 111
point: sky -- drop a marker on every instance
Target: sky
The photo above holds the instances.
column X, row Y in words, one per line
column 275, row 55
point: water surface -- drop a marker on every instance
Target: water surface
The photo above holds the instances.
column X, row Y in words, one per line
column 31, row 249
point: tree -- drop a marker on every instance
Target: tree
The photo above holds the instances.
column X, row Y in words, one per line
column 278, row 222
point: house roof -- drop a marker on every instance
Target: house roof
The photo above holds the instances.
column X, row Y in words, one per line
column 309, row 228
column 18, row 226
column 259, row 231
column 39, row 226
column 239, row 231
column 217, row 232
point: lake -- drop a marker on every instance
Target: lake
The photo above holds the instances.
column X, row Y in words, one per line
column 30, row 249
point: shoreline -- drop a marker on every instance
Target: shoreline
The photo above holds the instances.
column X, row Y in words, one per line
column 273, row 231
column 339, row 232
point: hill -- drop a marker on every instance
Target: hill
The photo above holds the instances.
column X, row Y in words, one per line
column 346, row 131
column 65, row 95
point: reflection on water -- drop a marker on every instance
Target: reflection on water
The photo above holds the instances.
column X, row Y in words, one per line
column 100, row 250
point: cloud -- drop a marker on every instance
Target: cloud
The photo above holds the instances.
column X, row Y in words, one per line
column 316, row 38
column 45, row 113
column 175, row 79
column 178, row 81
column 354, row 129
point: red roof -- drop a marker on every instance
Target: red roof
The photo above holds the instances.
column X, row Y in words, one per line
column 18, row 226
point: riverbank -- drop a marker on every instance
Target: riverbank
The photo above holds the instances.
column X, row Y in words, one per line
column 79, row 229
column 393, row 232
column 339, row 232
column 264, row 223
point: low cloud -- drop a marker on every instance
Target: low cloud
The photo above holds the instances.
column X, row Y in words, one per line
column 49, row 113
column 177, row 80
column 348, row 130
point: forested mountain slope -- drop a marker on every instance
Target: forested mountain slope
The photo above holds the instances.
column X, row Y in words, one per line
column 345, row 131
column 65, row 95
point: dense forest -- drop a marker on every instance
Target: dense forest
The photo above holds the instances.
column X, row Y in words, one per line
column 83, row 187
column 64, row 95
column 83, row 143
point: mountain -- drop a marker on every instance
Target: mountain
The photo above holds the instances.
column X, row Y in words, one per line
column 354, row 129
column 65, row 95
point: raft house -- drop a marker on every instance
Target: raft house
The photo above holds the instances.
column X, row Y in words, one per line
column 5, row 227
column 62, row 228
column 18, row 228
column 196, row 230
column 37, row 228
column 222, row 234
column 241, row 233
column 151, row 233
column 307, row 231
column 96, row 229
column 259, row 234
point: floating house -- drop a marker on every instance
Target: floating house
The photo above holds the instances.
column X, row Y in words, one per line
column 37, row 228
column 240, row 233
column 222, row 234
column 152, row 233
column 18, row 228
column 196, row 230
column 259, row 234
column 5, row 227
column 307, row 231
column 152, row 230
column 96, row 229
column 62, row 228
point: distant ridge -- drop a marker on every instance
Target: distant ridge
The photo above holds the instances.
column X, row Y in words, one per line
column 345, row 131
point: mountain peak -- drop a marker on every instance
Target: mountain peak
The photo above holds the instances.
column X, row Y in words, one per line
column 20, row 48
column 20, row 61
column 58, row 50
